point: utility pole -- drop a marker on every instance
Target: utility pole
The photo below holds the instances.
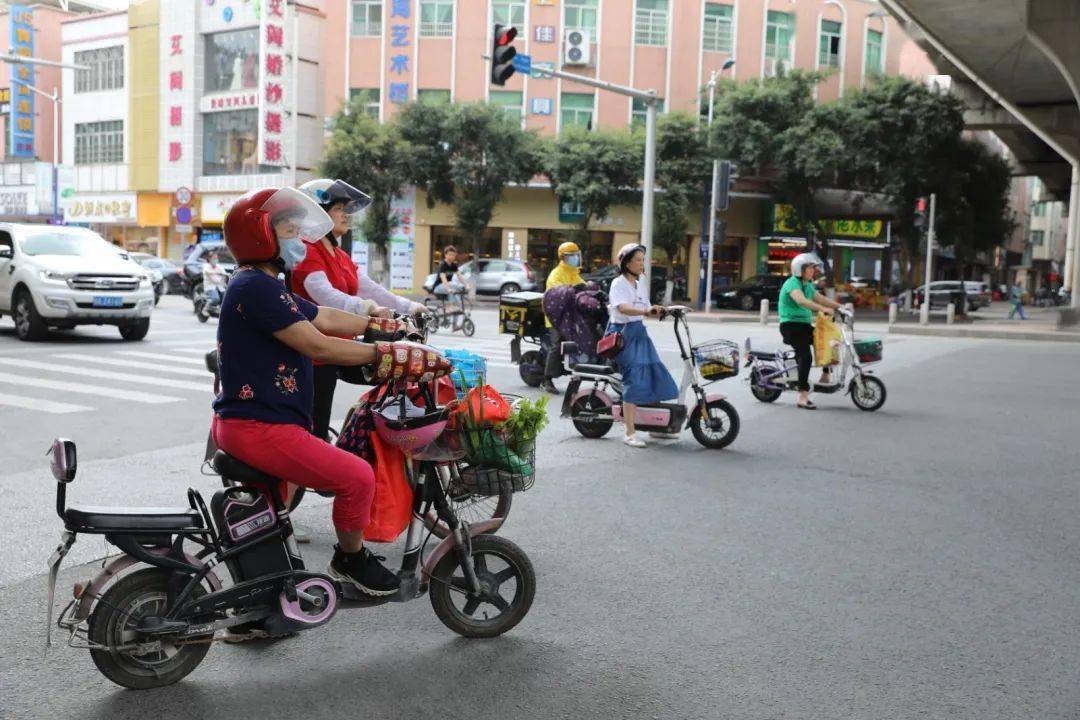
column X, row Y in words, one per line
column 715, row 194
column 924, row 311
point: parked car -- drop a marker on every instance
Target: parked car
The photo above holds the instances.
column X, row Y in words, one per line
column 748, row 294
column 603, row 276
column 55, row 276
column 193, row 265
column 171, row 272
column 943, row 292
column 495, row 276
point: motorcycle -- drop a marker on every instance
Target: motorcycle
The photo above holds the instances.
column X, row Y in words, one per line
column 713, row 421
column 204, row 307
column 771, row 371
column 150, row 616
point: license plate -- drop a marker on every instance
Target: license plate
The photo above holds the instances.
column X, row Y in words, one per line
column 107, row 301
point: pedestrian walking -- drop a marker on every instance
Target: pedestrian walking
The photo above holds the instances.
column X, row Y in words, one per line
column 1016, row 296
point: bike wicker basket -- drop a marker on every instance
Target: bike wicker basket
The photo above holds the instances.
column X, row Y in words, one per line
column 868, row 349
column 717, row 359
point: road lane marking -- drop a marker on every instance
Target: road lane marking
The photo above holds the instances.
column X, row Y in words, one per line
column 162, row 356
column 49, row 406
column 85, row 389
column 108, row 374
column 122, row 362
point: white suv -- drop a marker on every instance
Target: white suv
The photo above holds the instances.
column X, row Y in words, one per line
column 58, row 276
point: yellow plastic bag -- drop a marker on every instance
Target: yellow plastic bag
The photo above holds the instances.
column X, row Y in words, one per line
column 827, row 340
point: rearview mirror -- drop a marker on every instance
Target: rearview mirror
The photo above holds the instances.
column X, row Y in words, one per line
column 5, row 252
column 63, row 460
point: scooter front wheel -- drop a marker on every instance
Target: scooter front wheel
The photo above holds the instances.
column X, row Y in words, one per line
column 717, row 427
column 112, row 625
column 507, row 587
column 871, row 396
column 583, row 414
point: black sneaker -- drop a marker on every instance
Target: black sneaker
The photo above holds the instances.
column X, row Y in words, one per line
column 549, row 386
column 364, row 571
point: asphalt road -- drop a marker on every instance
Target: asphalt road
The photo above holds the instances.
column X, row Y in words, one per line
column 917, row 562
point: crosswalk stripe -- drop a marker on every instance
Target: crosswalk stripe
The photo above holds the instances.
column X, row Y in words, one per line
column 85, row 389
column 49, row 406
column 122, row 362
column 162, row 356
column 108, row 374
column 207, row 331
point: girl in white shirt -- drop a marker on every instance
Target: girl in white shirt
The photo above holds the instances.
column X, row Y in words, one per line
column 645, row 379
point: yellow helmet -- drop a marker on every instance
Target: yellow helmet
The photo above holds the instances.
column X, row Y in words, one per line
column 568, row 248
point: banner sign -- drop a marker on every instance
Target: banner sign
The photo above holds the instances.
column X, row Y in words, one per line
column 402, row 247
column 784, row 222
column 21, row 124
column 273, row 83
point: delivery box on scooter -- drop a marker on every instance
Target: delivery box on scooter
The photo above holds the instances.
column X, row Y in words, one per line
column 522, row 314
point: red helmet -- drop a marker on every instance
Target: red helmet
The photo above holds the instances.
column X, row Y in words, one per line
column 249, row 224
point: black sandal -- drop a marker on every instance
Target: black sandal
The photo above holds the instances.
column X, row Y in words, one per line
column 808, row 405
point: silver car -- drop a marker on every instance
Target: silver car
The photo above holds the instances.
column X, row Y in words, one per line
column 496, row 276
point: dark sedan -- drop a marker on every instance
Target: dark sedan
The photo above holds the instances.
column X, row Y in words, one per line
column 748, row 294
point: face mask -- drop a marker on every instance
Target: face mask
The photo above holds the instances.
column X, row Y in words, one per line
column 573, row 260
column 293, row 252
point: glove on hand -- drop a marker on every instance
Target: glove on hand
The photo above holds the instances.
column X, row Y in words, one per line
column 384, row 329
column 408, row 362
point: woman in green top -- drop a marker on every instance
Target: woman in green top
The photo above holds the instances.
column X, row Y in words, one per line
column 798, row 301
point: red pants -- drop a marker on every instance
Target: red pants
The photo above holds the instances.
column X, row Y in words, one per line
column 292, row 454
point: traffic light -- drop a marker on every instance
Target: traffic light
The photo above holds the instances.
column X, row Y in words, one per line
column 920, row 213
column 727, row 184
column 502, row 54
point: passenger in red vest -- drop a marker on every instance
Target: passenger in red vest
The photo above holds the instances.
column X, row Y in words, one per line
column 329, row 277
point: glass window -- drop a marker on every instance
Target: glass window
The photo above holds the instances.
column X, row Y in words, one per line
column 1039, row 209
column 650, row 23
column 436, row 18
column 829, row 50
column 433, row 96
column 779, row 42
column 230, row 143
column 637, row 112
column 716, row 33
column 580, row 15
column 370, row 98
column 367, row 18
column 510, row 102
column 576, row 109
column 508, row 12
column 106, row 69
column 231, row 61
column 873, row 53
column 1036, row 237
column 99, row 142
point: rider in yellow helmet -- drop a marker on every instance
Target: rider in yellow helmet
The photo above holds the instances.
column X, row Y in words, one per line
column 567, row 272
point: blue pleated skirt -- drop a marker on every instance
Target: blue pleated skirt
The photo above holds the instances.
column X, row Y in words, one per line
column 645, row 379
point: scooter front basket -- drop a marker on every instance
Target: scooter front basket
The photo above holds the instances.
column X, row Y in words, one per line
column 717, row 359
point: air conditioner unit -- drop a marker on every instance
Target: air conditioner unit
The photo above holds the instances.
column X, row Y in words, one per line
column 577, row 47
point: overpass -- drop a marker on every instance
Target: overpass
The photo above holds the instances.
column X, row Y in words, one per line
column 1017, row 65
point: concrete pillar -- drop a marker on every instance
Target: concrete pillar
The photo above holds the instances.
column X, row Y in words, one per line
column 422, row 265
column 1072, row 256
column 764, row 317
column 950, row 313
column 693, row 270
column 892, row 313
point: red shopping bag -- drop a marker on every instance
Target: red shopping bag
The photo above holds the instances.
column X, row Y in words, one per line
column 483, row 406
column 391, row 507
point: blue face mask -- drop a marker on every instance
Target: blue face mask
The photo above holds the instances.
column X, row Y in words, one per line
column 573, row 260
column 293, row 251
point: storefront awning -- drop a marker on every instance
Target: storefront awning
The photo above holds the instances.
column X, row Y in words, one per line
column 833, row 242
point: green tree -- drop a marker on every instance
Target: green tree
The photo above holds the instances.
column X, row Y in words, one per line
column 594, row 170
column 683, row 166
column 374, row 158
column 466, row 155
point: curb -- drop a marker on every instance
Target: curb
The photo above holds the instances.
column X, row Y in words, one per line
column 986, row 333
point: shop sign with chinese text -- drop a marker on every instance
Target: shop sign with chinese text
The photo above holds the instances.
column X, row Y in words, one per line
column 21, row 120
column 784, row 223
column 274, row 88
column 112, row 208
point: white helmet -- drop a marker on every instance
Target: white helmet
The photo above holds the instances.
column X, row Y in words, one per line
column 802, row 261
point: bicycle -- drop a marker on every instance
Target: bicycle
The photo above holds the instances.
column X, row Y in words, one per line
column 455, row 317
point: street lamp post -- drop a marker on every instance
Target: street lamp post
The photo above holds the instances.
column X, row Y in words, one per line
column 715, row 193
column 55, row 98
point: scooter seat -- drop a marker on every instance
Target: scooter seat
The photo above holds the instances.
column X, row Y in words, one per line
column 238, row 472
column 131, row 519
column 770, row 354
column 594, row 369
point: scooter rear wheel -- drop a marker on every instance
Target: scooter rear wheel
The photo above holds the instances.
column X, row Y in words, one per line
column 506, row 577
column 727, row 429
column 531, row 368
column 580, row 412
column 112, row 624
column 758, row 389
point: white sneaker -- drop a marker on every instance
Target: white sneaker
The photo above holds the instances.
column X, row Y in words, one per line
column 634, row 441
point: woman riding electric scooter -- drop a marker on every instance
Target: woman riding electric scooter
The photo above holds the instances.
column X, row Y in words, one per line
column 798, row 301
column 329, row 278
column 267, row 339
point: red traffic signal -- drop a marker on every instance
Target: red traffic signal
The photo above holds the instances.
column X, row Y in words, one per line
column 502, row 54
column 920, row 213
